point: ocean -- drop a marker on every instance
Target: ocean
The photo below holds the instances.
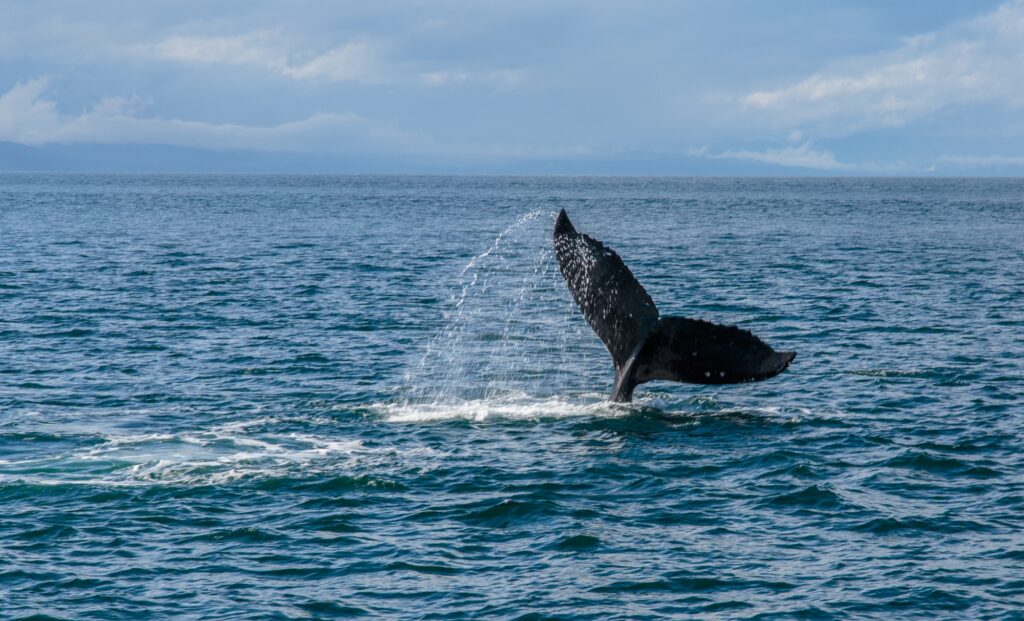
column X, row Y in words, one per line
column 317, row 397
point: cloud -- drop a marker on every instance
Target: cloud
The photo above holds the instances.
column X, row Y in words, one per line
column 250, row 49
column 356, row 60
column 24, row 116
column 803, row 156
column 976, row 61
column 28, row 117
column 360, row 60
column 502, row 78
column 982, row 161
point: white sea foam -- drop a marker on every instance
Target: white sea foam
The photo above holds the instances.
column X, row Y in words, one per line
column 218, row 454
column 514, row 407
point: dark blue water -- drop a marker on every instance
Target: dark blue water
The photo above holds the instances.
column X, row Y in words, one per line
column 258, row 397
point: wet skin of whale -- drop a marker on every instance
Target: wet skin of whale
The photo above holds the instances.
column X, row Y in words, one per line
column 645, row 346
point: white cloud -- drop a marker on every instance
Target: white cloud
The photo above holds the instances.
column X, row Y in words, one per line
column 25, row 116
column 442, row 78
column 981, row 161
column 360, row 60
column 803, row 156
column 28, row 117
column 357, row 61
column 251, row 49
column 502, row 78
column 977, row 61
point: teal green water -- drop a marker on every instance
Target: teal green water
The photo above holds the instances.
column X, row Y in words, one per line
column 259, row 397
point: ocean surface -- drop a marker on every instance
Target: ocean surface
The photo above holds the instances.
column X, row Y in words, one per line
column 317, row 397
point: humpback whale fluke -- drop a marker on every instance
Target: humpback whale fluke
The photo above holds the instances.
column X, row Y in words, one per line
column 643, row 345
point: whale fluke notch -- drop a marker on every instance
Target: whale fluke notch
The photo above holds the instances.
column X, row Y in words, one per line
column 647, row 347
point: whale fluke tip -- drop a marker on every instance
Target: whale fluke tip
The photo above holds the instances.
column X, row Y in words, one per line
column 780, row 361
column 562, row 224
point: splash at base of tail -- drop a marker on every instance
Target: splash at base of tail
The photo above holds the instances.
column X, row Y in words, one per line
column 645, row 346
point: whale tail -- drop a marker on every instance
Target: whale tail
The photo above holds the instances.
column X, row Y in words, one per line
column 643, row 345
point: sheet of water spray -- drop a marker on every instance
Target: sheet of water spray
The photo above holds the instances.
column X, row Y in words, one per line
column 513, row 333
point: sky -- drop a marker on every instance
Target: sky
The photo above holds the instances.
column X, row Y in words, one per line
column 866, row 87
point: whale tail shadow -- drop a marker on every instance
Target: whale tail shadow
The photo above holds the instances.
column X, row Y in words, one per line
column 645, row 346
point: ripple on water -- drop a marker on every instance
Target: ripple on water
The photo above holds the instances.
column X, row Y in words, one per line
column 945, row 466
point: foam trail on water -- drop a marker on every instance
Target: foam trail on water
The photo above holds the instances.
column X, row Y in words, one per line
column 203, row 456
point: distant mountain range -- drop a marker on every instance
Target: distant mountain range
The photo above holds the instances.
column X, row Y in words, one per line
column 162, row 158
